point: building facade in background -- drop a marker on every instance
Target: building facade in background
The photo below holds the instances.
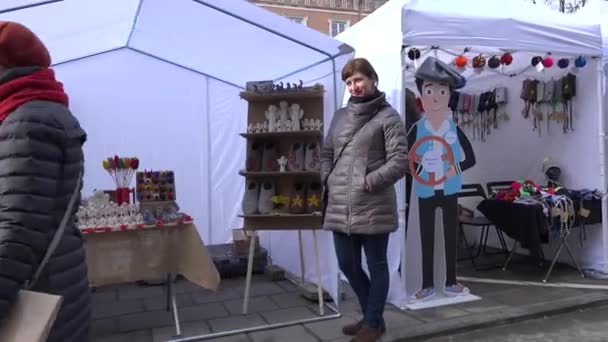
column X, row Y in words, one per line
column 331, row 17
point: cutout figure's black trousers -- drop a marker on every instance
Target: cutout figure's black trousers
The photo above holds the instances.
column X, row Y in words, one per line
column 427, row 206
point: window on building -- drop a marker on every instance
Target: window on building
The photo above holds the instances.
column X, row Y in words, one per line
column 299, row 20
column 337, row 26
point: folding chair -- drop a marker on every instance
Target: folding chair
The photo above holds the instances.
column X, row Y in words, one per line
column 476, row 190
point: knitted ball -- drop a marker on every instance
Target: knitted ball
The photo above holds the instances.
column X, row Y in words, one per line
column 536, row 60
column 563, row 63
column 479, row 61
column 494, row 62
column 413, row 54
column 461, row 61
column 506, row 59
column 580, row 62
column 548, row 62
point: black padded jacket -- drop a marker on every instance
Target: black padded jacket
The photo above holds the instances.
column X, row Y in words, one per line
column 41, row 157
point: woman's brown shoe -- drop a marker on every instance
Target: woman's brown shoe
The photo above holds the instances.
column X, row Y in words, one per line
column 352, row 329
column 367, row 334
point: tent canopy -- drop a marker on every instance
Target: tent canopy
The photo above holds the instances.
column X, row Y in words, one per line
column 516, row 25
column 253, row 43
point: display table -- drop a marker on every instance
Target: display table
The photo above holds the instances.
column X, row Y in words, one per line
column 117, row 257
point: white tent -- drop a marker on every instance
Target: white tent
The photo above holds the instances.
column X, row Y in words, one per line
column 160, row 80
column 491, row 27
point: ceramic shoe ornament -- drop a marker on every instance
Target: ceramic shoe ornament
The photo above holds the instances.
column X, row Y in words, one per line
column 250, row 198
column 296, row 157
column 312, row 158
column 265, row 205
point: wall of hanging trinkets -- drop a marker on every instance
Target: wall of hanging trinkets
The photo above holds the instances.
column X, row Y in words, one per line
column 480, row 113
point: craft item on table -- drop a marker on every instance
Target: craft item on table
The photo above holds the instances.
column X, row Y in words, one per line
column 282, row 163
column 296, row 114
column 121, row 170
column 272, row 116
column 99, row 213
column 155, row 186
column 162, row 213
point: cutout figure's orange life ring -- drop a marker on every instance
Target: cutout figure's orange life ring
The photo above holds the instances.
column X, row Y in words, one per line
column 415, row 158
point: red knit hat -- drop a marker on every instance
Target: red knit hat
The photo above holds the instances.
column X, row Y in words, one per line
column 21, row 47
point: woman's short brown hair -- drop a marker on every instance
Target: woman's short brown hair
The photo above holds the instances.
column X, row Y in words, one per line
column 361, row 65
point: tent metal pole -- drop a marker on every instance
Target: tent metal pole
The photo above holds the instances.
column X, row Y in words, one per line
column 182, row 66
column 135, row 20
column 88, row 56
column 209, row 169
column 314, row 65
column 37, row 4
column 603, row 138
column 403, row 238
column 250, row 22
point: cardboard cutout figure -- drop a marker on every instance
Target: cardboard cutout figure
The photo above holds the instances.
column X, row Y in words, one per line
column 439, row 152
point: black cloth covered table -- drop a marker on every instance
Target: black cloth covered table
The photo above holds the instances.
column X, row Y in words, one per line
column 522, row 222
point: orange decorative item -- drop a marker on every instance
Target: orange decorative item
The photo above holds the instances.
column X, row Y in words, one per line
column 461, row 61
column 479, row 62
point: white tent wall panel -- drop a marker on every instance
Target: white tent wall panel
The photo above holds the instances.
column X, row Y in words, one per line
column 134, row 105
column 74, row 28
column 227, row 119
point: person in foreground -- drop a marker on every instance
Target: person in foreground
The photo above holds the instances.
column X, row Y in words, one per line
column 41, row 159
column 363, row 156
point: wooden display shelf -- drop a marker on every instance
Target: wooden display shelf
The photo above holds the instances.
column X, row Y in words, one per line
column 291, row 134
column 282, row 222
column 280, row 174
column 286, row 95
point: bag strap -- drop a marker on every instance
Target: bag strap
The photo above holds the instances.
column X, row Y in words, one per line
column 351, row 138
column 58, row 234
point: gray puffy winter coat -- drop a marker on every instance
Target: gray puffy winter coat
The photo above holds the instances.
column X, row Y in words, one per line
column 40, row 158
column 361, row 192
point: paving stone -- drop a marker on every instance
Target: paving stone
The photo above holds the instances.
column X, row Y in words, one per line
column 330, row 329
column 288, row 315
column 478, row 306
column 201, row 312
column 136, row 336
column 289, row 300
column 398, row 318
column 287, row 286
column 292, row 334
column 144, row 320
column 256, row 304
column 116, row 308
column 139, row 292
column 440, row 313
column 104, row 296
column 236, row 322
column 189, row 329
column 264, row 289
column 233, row 338
column 206, row 296
column 160, row 303
column 103, row 327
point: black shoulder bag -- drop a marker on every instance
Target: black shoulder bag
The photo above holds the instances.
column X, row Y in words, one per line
column 333, row 166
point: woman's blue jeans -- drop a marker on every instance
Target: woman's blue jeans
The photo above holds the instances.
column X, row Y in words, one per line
column 371, row 291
